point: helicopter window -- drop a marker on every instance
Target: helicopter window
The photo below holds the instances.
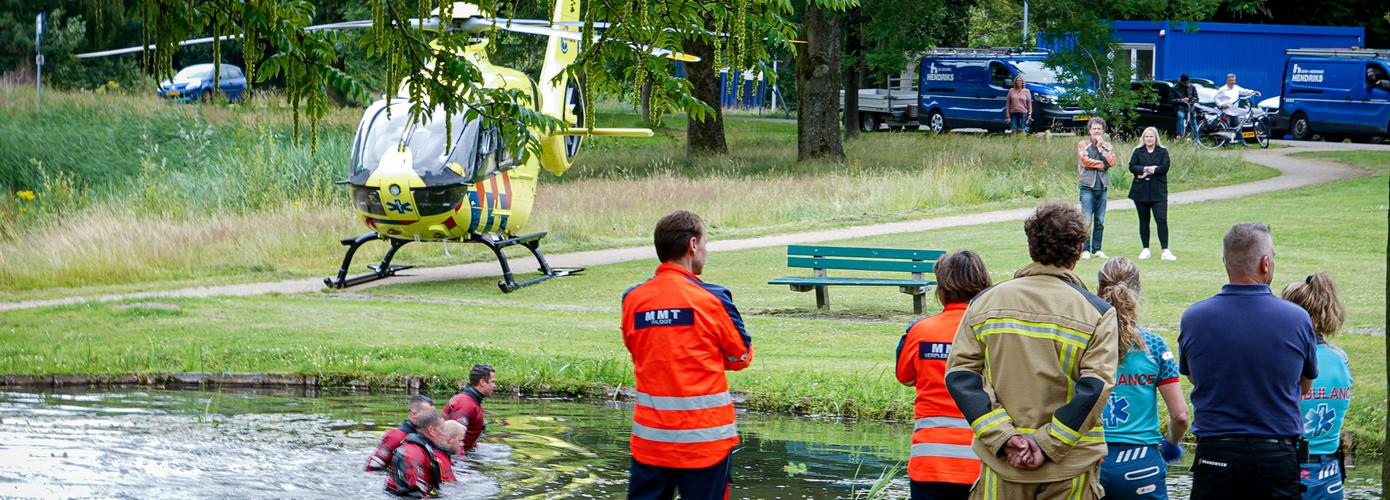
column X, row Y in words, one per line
column 378, row 135
column 487, row 153
column 427, row 142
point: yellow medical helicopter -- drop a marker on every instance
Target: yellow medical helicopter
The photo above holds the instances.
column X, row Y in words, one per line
column 410, row 183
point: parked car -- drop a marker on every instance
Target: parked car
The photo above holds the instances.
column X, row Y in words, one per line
column 1160, row 113
column 195, row 82
column 967, row 88
column 1336, row 93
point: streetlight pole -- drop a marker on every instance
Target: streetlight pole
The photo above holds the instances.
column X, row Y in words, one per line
column 38, row 56
column 1025, row 24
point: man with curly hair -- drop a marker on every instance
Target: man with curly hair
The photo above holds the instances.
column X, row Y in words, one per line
column 1031, row 366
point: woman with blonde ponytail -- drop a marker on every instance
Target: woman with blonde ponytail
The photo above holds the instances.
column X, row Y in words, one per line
column 1136, row 464
column 1325, row 406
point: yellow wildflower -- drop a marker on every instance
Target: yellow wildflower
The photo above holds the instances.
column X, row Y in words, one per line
column 26, row 195
column 296, row 204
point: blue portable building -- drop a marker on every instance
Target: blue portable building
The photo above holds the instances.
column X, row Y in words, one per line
column 1164, row 50
column 755, row 88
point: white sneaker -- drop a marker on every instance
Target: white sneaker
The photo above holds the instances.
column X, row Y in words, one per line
column 1085, row 255
column 1144, row 254
column 1099, row 255
column 1168, row 255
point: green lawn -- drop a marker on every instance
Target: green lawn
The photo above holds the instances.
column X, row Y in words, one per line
column 143, row 194
column 562, row 336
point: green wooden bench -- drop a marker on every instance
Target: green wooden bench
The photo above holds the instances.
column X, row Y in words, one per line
column 822, row 258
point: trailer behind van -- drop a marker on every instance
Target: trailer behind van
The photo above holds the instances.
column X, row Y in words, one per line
column 895, row 106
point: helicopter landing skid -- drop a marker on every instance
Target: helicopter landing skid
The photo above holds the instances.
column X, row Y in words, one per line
column 532, row 242
column 379, row 271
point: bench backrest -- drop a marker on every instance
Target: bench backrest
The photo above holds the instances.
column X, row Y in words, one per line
column 863, row 259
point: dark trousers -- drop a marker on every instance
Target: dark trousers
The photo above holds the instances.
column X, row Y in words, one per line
column 1240, row 469
column 923, row 490
column 1160, row 215
column 662, row 483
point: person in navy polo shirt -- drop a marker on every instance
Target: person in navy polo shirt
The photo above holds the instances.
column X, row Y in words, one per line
column 1250, row 356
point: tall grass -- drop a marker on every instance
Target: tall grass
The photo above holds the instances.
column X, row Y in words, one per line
column 130, row 189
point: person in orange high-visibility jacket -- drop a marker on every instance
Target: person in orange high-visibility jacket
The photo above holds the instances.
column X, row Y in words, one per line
column 683, row 334
column 942, row 465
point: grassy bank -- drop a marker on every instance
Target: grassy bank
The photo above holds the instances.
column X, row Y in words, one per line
column 562, row 336
column 140, row 194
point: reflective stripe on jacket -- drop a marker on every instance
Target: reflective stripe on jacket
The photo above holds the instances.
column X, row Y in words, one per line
column 1045, row 353
column 683, row 334
column 941, row 436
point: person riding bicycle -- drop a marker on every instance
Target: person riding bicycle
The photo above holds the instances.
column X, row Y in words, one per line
column 1184, row 95
column 1226, row 98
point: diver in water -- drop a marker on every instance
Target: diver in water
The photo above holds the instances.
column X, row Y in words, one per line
column 467, row 406
column 419, row 404
column 422, row 461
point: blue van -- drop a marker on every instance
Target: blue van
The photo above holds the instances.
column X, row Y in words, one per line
column 1336, row 93
column 967, row 88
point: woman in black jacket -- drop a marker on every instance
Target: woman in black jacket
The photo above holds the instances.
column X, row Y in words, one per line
column 1149, row 164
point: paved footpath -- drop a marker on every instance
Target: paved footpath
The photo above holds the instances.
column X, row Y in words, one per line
column 1295, row 173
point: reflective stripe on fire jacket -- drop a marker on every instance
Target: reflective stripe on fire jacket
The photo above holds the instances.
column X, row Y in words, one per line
column 683, row 334
column 941, row 436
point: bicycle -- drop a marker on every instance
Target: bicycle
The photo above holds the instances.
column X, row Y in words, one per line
column 1251, row 123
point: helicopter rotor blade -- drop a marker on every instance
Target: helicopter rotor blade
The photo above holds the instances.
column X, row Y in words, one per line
column 606, row 25
column 129, row 50
column 476, row 24
column 430, row 23
column 479, row 24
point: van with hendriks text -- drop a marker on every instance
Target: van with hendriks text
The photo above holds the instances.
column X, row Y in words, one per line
column 967, row 88
column 1336, row 94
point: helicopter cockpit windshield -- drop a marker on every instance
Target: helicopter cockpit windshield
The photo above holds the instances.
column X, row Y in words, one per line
column 471, row 155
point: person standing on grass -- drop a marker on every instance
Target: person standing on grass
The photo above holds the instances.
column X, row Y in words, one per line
column 1019, row 108
column 1135, row 466
column 683, row 335
column 1030, row 369
column 466, row 407
column 1249, row 356
column 1149, row 164
column 1324, row 408
column 1095, row 156
column 942, row 465
column 381, row 458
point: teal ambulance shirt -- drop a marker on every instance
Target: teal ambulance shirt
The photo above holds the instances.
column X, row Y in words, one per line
column 1131, row 414
column 1324, row 407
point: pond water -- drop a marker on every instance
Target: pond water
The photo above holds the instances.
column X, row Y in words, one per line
column 289, row 444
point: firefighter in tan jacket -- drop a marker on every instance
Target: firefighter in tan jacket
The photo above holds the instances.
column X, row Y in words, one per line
column 1031, row 366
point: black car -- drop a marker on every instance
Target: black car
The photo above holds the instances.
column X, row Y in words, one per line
column 1159, row 112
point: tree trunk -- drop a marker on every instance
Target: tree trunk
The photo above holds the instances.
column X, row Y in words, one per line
column 818, row 88
column 704, row 137
column 854, row 71
column 646, row 103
